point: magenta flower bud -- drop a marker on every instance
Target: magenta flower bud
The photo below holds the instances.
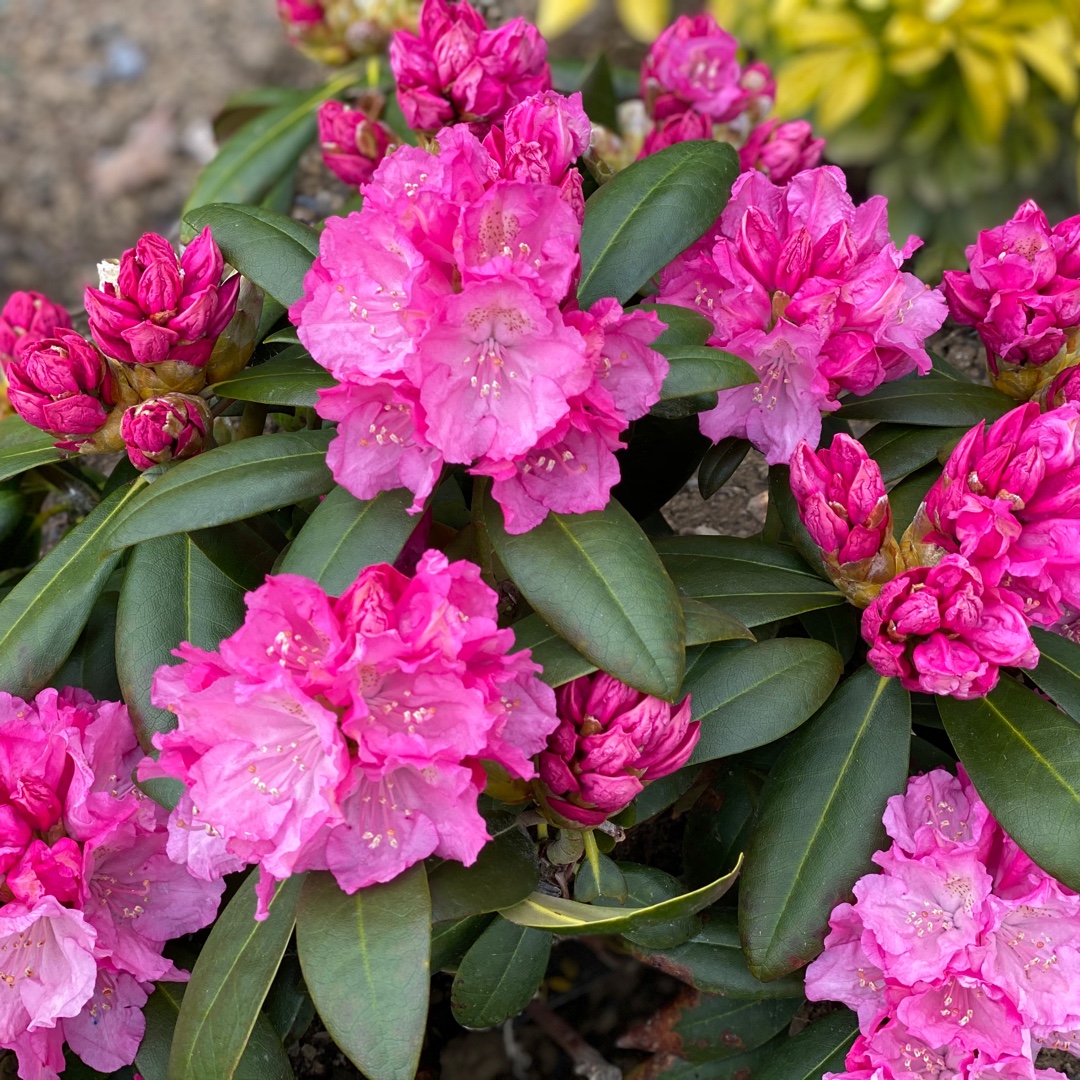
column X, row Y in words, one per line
column 25, row 318
column 611, row 741
column 62, row 385
column 676, row 128
column 1064, row 388
column 781, row 149
column 163, row 308
column 943, row 630
column 352, row 143
column 300, row 13
column 545, row 135
column 167, row 428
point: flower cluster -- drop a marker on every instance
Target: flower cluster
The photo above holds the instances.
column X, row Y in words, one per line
column 456, row 70
column 780, row 149
column 347, row 734
column 611, row 741
column 807, row 288
column 154, row 322
column 90, row 895
column 337, row 31
column 353, row 142
column 1022, row 293
column 445, row 309
column 962, row 957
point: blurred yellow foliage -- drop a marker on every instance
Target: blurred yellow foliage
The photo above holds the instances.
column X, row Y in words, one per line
column 643, row 19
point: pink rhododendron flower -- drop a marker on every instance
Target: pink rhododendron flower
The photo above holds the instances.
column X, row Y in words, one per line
column 954, row 968
column 780, row 149
column 352, row 143
column 446, row 309
column 160, row 307
column 167, row 428
column 92, row 895
column 610, row 742
column 456, row 69
column 347, row 734
column 1064, row 389
column 1005, row 501
column 1022, row 292
column 26, row 318
column 807, row 287
column 676, row 128
column 944, row 630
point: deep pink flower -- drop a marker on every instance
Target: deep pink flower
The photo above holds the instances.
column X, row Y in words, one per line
column 676, row 128
column 610, row 742
column 167, row 428
column 456, row 69
column 542, row 137
column 780, row 149
column 160, row 307
column 347, row 734
column 1022, row 303
column 1064, row 389
column 62, row 385
column 803, row 266
column 25, row 318
column 1006, row 501
column 944, row 630
column 352, row 143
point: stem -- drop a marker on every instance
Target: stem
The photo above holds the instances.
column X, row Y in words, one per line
column 253, row 421
column 587, row 1061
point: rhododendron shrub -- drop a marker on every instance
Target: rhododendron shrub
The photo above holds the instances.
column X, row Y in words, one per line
column 373, row 533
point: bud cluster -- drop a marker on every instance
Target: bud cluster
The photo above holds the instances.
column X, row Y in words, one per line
column 155, row 322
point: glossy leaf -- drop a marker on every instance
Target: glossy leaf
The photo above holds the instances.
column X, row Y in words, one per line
column 906, row 497
column 657, row 207
column 598, row 94
column 836, row 626
column 231, row 483
column 567, row 917
column 450, row 941
column 43, row 615
column 598, row 876
column 818, row 1049
column 230, row 981
column 498, row 976
column 819, row 820
column 718, row 824
column 747, row 697
column 928, row 401
column 1058, row 672
column 238, row 551
column 596, row 579
column 742, row 1066
column 699, row 370
column 345, row 534
column 706, row 622
column 682, row 327
column 665, row 792
column 719, row 464
column 1023, row 756
column 646, row 887
column 268, row 248
column 900, row 450
column 172, row 593
column 365, row 960
column 91, row 664
column 754, row 581
column 264, row 1058
column 505, row 871
column 23, row 447
column 290, row 378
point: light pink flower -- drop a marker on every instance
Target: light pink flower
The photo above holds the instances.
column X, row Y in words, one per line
column 944, row 630
column 939, row 812
column 780, row 149
column 162, row 307
column 25, row 318
column 900, row 1054
column 347, row 734
column 352, row 143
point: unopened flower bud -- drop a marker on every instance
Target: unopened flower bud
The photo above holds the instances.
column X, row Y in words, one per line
column 352, row 143
column 611, row 741
column 25, row 318
column 62, row 385
column 167, row 428
column 156, row 307
column 781, row 149
column 842, row 502
column 237, row 341
column 337, row 31
column 1063, row 388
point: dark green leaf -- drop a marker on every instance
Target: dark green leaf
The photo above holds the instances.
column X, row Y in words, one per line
column 505, row 872
column 268, row 248
column 12, row 508
column 900, row 450
column 740, row 1067
column 818, row 820
column 598, row 876
column 229, row 983
column 596, row 579
column 1058, row 673
column 346, row 534
column 498, row 976
column 646, row 887
column 639, row 221
column 665, row 792
column 749, row 696
column 450, row 941
column 754, row 581
column 909, row 493
column 172, row 593
column 290, row 378
column 598, row 94
column 92, row 663
column 233, row 482
column 288, row 1004
column 42, row 617
column 696, row 372
column 838, row 627
column 719, row 464
column 238, row 551
column 683, row 326
column 929, row 401
column 264, row 1058
column 365, row 960
column 713, row 962
column 718, row 824
column 1023, row 756
column 23, row 447
column 715, row 1027
column 706, row 622
column 821, row 1048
